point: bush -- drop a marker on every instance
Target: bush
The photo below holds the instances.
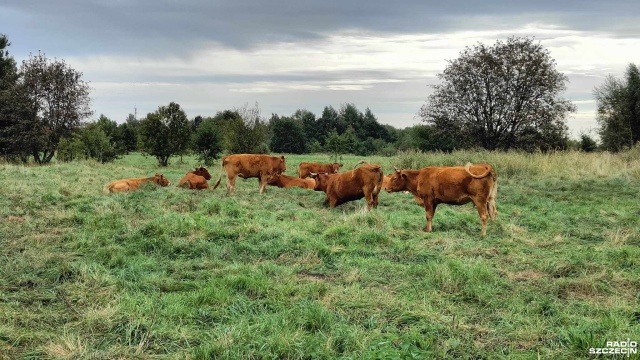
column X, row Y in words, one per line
column 88, row 143
column 70, row 149
column 96, row 143
column 587, row 144
column 207, row 142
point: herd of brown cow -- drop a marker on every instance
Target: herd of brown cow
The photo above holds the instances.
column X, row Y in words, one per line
column 430, row 186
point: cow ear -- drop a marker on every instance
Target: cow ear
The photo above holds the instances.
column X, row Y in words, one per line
column 340, row 165
column 282, row 157
column 404, row 176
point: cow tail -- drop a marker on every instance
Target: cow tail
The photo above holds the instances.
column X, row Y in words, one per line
column 222, row 172
column 378, row 186
column 491, row 203
column 493, row 211
column 489, row 172
column 217, row 182
column 360, row 162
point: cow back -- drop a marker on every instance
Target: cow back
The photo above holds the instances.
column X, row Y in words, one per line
column 252, row 165
column 306, row 168
column 455, row 184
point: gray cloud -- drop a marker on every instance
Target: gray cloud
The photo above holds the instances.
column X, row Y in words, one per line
column 167, row 26
column 213, row 55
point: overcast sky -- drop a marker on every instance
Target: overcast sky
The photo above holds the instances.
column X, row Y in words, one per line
column 284, row 55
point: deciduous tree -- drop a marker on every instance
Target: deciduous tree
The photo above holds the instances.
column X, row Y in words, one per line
column 165, row 132
column 16, row 116
column 207, row 141
column 618, row 110
column 288, row 135
column 246, row 131
column 59, row 98
column 499, row 97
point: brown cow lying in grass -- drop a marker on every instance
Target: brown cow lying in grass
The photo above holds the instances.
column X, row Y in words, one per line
column 306, row 168
column 196, row 179
column 365, row 181
column 450, row 185
column 285, row 181
column 133, row 183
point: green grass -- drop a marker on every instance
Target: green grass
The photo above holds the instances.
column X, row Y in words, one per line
column 172, row 273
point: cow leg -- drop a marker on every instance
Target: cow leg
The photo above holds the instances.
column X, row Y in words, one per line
column 231, row 184
column 368, row 194
column 430, row 210
column 491, row 210
column 263, row 182
column 375, row 200
column 482, row 205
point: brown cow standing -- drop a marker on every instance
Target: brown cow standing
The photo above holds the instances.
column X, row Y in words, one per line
column 450, row 185
column 306, row 168
column 365, row 181
column 196, row 179
column 285, row 181
column 250, row 166
column 133, row 183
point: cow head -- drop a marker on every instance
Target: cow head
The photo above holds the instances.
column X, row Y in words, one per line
column 202, row 171
column 281, row 167
column 321, row 181
column 272, row 179
column 385, row 181
column 397, row 181
column 161, row 180
column 335, row 167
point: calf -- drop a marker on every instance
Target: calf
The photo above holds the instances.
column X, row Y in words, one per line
column 450, row 185
column 196, row 179
column 285, row 181
column 134, row 183
column 365, row 181
column 306, row 168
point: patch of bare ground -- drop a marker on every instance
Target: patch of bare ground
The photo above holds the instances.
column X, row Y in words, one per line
column 554, row 242
column 526, row 275
column 314, row 277
column 606, row 289
column 307, row 259
column 15, row 219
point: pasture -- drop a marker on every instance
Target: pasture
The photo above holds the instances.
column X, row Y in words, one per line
column 169, row 273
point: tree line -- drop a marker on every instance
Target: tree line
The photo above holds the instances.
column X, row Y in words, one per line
column 500, row 97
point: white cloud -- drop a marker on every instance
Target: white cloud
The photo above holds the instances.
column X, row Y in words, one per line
column 378, row 70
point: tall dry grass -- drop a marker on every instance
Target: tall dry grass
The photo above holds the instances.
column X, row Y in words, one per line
column 562, row 164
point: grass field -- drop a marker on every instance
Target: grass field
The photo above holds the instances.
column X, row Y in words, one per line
column 172, row 273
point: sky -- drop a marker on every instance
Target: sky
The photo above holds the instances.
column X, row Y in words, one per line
column 285, row 55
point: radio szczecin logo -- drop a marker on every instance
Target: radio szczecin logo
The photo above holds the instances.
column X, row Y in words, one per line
column 617, row 347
